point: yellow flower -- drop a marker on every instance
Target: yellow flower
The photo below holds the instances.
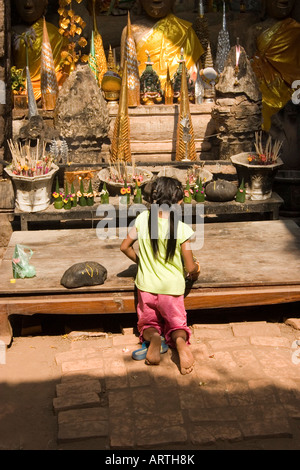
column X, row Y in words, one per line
column 123, row 190
column 82, row 42
column 64, row 23
column 64, row 54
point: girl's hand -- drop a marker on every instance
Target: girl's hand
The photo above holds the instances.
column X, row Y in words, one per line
column 193, row 276
column 191, row 264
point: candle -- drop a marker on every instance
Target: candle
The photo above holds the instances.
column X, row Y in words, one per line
column 201, row 9
column 237, row 53
column 224, row 17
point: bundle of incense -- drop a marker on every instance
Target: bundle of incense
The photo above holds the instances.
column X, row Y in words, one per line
column 27, row 161
column 270, row 151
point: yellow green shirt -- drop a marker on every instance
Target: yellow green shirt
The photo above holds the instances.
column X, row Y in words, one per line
column 155, row 275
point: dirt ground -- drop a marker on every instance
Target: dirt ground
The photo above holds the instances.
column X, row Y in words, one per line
column 30, row 374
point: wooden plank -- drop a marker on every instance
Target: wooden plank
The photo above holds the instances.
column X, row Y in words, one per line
column 107, row 303
column 116, row 303
column 90, row 213
column 233, row 254
column 5, row 327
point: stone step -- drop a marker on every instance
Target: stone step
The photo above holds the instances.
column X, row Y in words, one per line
column 81, row 400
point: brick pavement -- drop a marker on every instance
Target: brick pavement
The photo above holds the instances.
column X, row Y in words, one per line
column 245, row 385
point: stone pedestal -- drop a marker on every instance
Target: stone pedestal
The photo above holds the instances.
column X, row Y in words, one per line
column 153, row 132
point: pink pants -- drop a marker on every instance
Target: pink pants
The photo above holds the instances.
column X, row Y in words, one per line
column 165, row 313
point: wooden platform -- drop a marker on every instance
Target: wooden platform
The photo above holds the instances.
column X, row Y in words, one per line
column 242, row 264
column 269, row 208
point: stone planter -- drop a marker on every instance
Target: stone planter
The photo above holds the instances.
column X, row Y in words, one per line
column 258, row 179
column 115, row 188
column 33, row 194
column 173, row 172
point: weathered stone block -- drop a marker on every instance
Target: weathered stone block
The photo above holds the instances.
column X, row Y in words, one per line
column 77, row 388
column 255, row 329
column 81, row 400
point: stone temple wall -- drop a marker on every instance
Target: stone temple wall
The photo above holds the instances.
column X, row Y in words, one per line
column 5, row 83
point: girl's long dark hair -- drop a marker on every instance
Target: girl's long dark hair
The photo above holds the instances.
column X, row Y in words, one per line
column 165, row 192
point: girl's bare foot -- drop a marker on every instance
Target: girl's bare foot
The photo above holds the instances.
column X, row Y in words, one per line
column 185, row 356
column 153, row 354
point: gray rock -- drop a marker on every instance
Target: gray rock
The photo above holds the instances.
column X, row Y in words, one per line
column 220, row 191
column 88, row 273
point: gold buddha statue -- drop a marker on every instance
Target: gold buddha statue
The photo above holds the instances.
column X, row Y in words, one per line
column 30, row 15
column 163, row 35
column 275, row 47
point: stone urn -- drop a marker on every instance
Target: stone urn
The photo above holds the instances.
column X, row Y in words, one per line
column 181, row 174
column 114, row 186
column 258, row 179
column 33, row 193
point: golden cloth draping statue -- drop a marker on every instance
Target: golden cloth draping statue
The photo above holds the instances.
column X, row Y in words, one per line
column 31, row 14
column 163, row 39
column 276, row 62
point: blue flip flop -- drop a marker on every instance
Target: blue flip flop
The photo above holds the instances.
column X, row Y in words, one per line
column 140, row 354
column 164, row 347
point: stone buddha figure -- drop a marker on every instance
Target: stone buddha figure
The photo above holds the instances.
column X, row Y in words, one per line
column 30, row 15
column 275, row 49
column 162, row 35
